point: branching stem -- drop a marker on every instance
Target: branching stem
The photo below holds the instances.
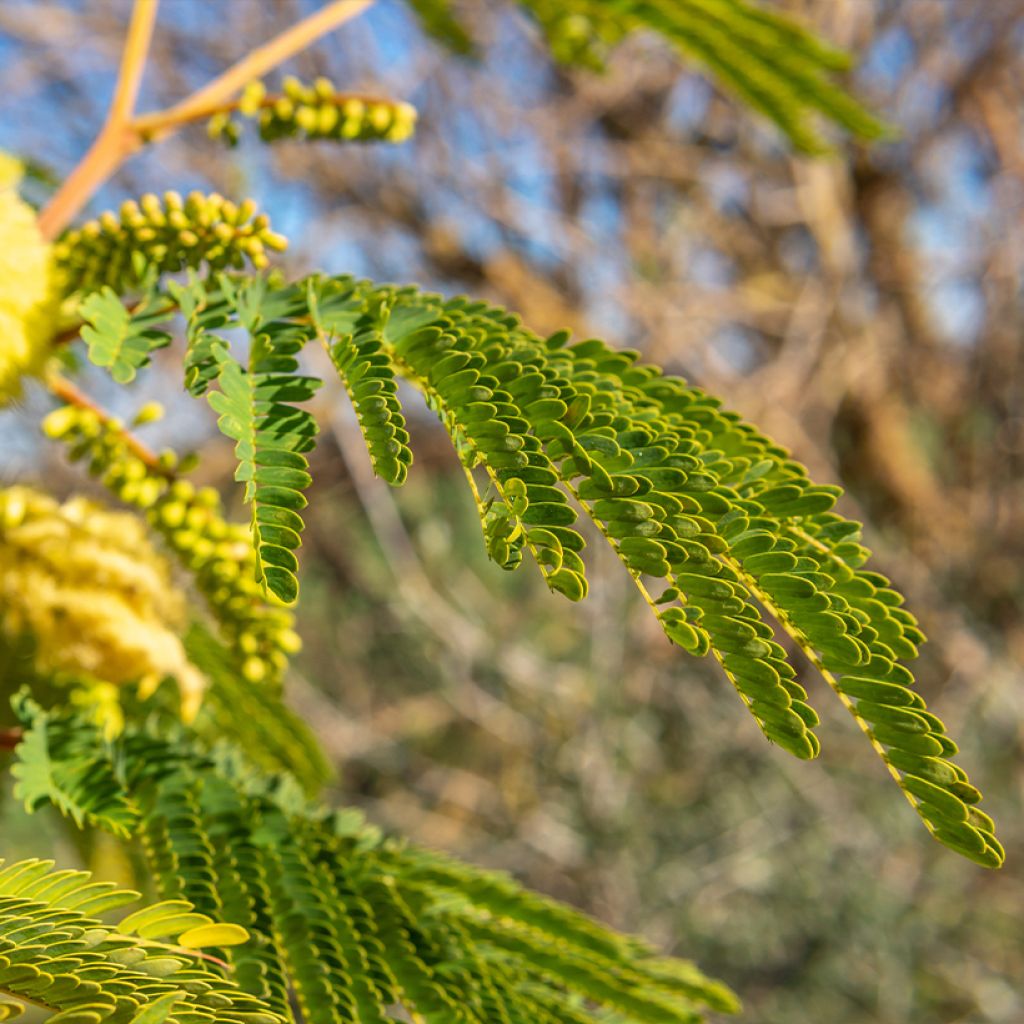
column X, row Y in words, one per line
column 116, row 140
column 123, row 135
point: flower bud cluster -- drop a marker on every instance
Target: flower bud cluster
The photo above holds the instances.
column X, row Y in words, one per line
column 317, row 111
column 190, row 520
column 168, row 234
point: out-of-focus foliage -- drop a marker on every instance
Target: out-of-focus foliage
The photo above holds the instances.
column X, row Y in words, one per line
column 768, row 60
column 325, row 914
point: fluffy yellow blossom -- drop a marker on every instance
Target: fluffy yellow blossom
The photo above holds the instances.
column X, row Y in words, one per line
column 87, row 585
column 29, row 299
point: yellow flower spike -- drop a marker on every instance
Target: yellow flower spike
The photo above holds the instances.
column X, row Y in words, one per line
column 167, row 235
column 29, row 296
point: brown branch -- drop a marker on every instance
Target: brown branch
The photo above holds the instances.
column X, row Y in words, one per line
column 116, row 141
column 10, row 738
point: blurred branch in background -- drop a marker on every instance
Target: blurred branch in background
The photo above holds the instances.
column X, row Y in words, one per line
column 866, row 310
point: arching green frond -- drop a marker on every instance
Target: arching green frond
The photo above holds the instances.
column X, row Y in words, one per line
column 358, row 926
column 726, row 537
column 716, row 524
column 55, row 953
column 272, row 437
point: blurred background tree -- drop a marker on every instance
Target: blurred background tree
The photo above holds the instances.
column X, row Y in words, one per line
column 865, row 309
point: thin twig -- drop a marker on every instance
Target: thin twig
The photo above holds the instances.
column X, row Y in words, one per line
column 133, row 60
column 251, row 67
column 149, row 125
column 116, row 140
column 69, row 393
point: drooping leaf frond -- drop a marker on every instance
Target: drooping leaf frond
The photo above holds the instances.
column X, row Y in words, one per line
column 271, row 434
column 357, row 925
column 56, row 953
column 726, row 537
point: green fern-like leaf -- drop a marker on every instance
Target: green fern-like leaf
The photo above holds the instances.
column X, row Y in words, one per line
column 56, row 953
column 52, row 768
column 369, row 379
column 357, row 925
column 120, row 340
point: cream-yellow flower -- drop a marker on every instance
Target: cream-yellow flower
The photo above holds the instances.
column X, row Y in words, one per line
column 29, row 297
column 98, row 600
